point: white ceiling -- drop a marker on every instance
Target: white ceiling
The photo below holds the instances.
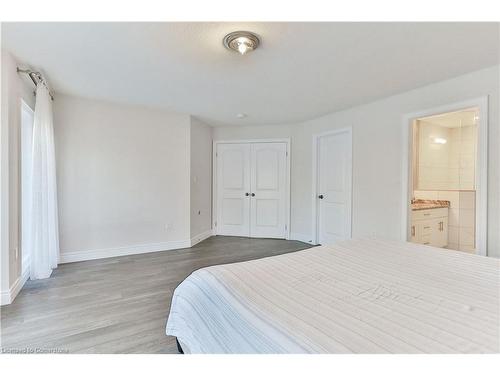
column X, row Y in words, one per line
column 300, row 71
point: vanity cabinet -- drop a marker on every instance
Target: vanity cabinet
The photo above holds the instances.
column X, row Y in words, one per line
column 430, row 227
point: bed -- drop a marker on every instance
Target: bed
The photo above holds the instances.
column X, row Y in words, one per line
column 358, row 296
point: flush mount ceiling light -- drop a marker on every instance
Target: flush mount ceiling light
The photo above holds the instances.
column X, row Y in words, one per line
column 241, row 41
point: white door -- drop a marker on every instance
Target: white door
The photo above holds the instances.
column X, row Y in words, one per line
column 334, row 187
column 268, row 190
column 252, row 189
column 233, row 189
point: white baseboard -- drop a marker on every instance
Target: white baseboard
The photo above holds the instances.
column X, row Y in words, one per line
column 202, row 236
column 18, row 285
column 301, row 237
column 7, row 296
column 78, row 256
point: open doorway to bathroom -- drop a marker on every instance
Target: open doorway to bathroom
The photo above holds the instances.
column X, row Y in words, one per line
column 446, row 192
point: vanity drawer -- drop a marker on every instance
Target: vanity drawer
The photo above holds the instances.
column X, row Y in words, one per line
column 426, row 239
column 431, row 213
column 426, row 228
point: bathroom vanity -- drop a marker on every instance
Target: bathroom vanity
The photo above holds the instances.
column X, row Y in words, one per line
column 429, row 223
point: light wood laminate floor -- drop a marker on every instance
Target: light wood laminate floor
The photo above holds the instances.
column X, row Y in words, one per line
column 117, row 305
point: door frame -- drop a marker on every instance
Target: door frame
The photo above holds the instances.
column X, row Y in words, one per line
column 481, row 225
column 315, row 176
column 287, row 177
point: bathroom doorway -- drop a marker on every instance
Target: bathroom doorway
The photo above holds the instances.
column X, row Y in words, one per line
column 446, row 195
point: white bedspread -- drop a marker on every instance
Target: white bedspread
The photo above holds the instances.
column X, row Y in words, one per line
column 359, row 296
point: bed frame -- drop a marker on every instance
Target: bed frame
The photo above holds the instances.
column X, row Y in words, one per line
column 179, row 347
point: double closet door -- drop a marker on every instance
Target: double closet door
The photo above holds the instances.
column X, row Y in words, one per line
column 251, row 189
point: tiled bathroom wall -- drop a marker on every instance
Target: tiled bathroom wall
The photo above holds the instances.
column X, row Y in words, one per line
column 433, row 159
column 462, row 158
column 448, row 166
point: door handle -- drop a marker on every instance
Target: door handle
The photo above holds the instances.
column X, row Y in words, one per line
column 247, row 194
column 320, row 196
column 413, row 230
column 253, row 194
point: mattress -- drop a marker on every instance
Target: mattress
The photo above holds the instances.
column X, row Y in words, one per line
column 358, row 296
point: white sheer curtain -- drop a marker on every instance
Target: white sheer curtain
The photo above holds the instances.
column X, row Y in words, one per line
column 43, row 226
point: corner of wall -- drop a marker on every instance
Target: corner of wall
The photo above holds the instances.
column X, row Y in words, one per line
column 201, row 138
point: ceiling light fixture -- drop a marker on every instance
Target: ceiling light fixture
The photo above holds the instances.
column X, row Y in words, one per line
column 241, row 41
column 241, row 115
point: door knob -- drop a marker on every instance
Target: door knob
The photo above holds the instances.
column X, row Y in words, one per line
column 320, row 196
column 247, row 194
column 253, row 194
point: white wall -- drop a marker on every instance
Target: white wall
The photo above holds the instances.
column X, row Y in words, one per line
column 201, row 178
column 122, row 176
column 377, row 154
column 14, row 88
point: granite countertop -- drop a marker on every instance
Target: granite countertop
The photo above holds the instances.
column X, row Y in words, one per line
column 427, row 204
